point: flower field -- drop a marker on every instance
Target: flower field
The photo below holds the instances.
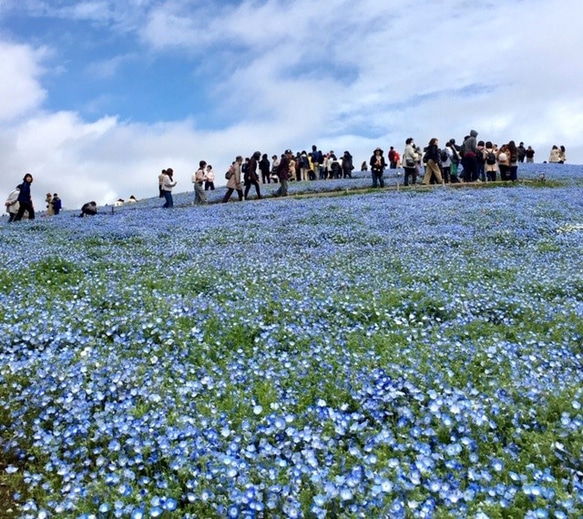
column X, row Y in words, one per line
column 389, row 354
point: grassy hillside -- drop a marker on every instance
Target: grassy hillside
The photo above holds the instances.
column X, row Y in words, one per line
column 399, row 353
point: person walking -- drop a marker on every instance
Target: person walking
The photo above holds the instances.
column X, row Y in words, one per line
column 198, row 180
column 167, row 185
column 252, row 178
column 377, row 168
column 431, row 159
column 12, row 204
column 25, row 199
column 234, row 180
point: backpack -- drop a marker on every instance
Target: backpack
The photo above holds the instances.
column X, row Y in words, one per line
column 491, row 158
column 443, row 155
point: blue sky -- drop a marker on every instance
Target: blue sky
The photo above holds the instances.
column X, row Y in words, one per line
column 99, row 95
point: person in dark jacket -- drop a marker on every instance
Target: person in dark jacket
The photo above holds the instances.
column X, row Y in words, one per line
column 25, row 199
column 431, row 159
column 469, row 160
column 347, row 165
column 89, row 209
column 377, row 167
column 252, row 178
column 57, row 204
column 265, row 168
column 283, row 173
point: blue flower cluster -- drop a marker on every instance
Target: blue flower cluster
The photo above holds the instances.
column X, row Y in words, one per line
column 399, row 354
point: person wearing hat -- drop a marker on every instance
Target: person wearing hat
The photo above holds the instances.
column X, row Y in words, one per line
column 377, row 167
column 283, row 173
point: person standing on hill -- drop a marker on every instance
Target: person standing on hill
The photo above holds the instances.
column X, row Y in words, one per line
column 410, row 158
column 377, row 168
column 161, row 183
column 521, row 152
column 317, row 160
column 554, row 157
column 503, row 158
column 265, row 168
column 562, row 154
column 49, row 202
column 513, row 158
column 347, row 165
column 490, row 162
column 209, row 183
column 57, row 204
column 25, row 199
column 392, row 158
column 529, row 154
column 469, row 161
column 283, row 173
column 198, row 179
column 167, row 186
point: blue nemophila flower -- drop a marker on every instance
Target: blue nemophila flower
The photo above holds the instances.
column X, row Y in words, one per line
column 259, row 367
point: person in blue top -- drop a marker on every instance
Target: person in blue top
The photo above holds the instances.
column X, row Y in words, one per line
column 25, row 199
column 57, row 204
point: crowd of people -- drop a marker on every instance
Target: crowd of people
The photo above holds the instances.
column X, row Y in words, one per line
column 472, row 161
column 243, row 174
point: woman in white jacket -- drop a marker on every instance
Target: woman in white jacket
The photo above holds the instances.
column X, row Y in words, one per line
column 167, row 184
column 410, row 157
column 12, row 204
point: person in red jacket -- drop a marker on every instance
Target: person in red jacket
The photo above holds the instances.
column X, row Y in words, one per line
column 392, row 158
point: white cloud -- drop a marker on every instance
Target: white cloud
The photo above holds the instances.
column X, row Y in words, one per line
column 342, row 74
column 20, row 88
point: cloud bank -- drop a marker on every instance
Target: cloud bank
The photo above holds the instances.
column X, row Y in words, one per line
column 101, row 95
